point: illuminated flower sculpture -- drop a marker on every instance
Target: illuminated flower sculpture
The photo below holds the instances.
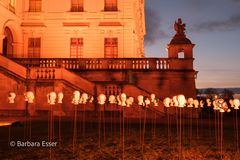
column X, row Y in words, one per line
column 201, row 103
column 231, row 103
column 84, row 98
column 11, row 97
column 52, row 97
column 175, row 101
column 123, row 98
column 76, row 97
column 196, row 103
column 209, row 103
column 119, row 100
column 128, row 102
column 131, row 100
column 154, row 100
column 60, row 97
column 147, row 102
column 140, row 100
column 112, row 99
column 29, row 96
column 167, row 102
column 215, row 106
column 101, row 99
column 190, row 102
column 152, row 97
column 91, row 99
column 236, row 103
column 222, row 105
column 181, row 100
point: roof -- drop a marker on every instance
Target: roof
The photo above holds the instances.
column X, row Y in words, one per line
column 180, row 40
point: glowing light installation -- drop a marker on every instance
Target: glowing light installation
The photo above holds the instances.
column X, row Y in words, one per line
column 11, row 97
column 29, row 96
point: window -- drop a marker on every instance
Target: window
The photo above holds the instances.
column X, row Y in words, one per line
column 77, row 6
column 12, row 5
column 34, row 46
column 181, row 55
column 111, row 48
column 76, row 48
column 8, row 43
column 110, row 5
column 35, row 5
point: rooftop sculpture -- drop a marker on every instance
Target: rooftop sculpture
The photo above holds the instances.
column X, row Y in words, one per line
column 180, row 27
column 180, row 36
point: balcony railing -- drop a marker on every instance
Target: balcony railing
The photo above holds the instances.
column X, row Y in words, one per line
column 108, row 63
column 40, row 73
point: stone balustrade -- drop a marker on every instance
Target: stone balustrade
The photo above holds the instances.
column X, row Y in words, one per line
column 40, row 73
column 108, row 64
column 13, row 67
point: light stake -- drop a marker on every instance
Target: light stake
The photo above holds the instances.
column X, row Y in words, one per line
column 166, row 103
column 75, row 102
column 101, row 101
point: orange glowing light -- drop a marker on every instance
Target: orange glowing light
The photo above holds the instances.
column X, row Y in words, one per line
column 5, row 124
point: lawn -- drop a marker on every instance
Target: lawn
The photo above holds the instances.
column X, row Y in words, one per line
column 193, row 139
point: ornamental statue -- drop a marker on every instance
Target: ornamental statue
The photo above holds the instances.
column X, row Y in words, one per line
column 180, row 27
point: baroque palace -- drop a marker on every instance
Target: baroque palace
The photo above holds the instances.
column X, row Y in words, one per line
column 94, row 47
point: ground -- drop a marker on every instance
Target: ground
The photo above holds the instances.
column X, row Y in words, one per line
column 161, row 141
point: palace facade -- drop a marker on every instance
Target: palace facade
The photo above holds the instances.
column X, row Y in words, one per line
column 92, row 46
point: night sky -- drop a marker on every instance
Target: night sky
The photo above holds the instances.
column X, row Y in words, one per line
column 213, row 25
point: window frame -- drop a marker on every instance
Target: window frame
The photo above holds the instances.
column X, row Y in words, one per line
column 34, row 7
column 78, row 47
column 111, row 47
column 34, row 47
column 110, row 6
column 78, row 7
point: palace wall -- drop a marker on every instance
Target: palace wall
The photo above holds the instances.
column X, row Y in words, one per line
column 162, row 84
column 9, row 83
column 55, row 24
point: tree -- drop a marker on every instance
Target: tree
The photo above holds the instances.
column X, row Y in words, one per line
column 227, row 94
column 210, row 92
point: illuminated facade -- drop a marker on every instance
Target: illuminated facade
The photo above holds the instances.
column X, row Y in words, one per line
column 73, row 28
column 92, row 46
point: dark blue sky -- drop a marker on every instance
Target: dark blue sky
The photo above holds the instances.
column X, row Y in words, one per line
column 213, row 25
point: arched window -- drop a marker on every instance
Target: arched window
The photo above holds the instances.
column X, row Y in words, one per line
column 8, row 43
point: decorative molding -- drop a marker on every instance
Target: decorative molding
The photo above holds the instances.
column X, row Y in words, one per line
column 75, row 24
column 26, row 24
column 110, row 24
